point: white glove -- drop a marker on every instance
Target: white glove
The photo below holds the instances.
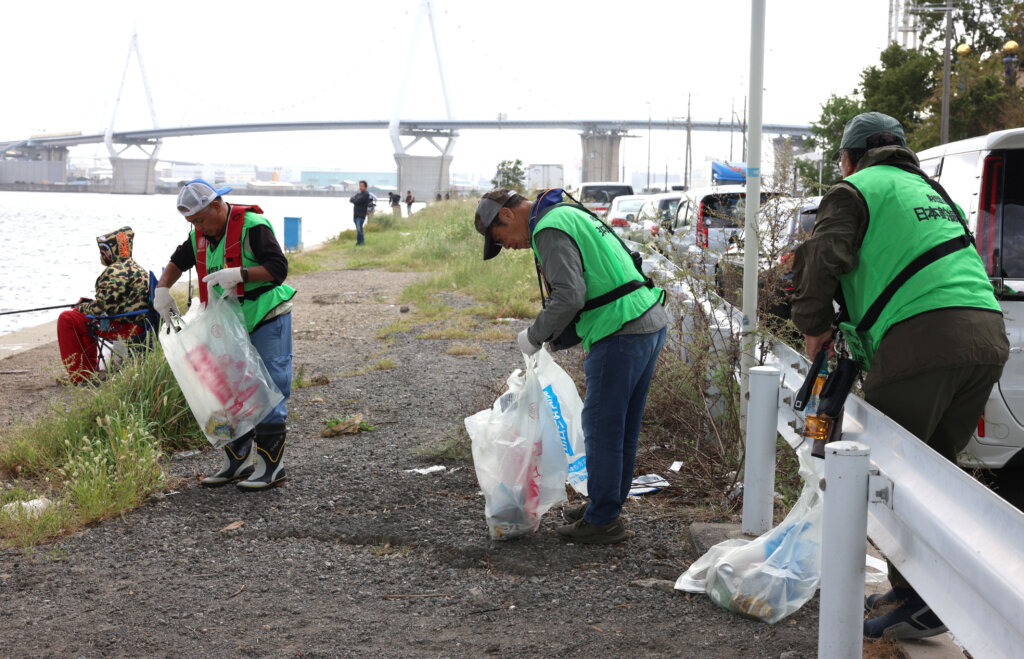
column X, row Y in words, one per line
column 227, row 279
column 163, row 303
column 525, row 344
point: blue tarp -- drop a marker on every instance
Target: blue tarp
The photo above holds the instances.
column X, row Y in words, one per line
column 728, row 172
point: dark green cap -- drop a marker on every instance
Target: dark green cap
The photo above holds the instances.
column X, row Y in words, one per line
column 863, row 126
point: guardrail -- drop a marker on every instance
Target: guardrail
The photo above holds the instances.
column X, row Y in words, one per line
column 955, row 540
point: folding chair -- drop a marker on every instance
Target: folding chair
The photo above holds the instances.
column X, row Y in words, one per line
column 150, row 322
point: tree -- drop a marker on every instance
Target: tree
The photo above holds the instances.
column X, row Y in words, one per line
column 510, row 175
column 980, row 102
column 978, row 23
column 902, row 84
column 827, row 134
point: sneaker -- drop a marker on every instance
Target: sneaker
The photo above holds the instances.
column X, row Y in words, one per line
column 874, row 603
column 573, row 514
column 909, row 619
column 586, row 533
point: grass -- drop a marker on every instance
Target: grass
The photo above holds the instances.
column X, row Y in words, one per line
column 456, row 446
column 382, row 364
column 99, row 455
column 439, row 239
column 364, row 426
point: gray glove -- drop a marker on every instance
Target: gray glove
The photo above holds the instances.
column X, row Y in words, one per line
column 164, row 304
column 523, row 340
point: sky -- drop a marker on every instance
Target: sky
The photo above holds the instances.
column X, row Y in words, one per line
column 238, row 62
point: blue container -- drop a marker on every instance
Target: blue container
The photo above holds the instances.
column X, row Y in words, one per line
column 293, row 234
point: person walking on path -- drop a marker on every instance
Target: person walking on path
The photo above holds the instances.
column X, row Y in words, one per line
column 582, row 259
column 409, row 199
column 122, row 287
column 235, row 251
column 360, row 208
column 920, row 315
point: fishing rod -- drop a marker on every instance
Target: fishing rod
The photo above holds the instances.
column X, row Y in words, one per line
column 59, row 306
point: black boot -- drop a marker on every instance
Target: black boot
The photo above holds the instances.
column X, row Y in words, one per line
column 270, row 440
column 237, row 462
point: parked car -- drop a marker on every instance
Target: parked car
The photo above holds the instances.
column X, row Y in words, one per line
column 658, row 210
column 786, row 222
column 623, row 211
column 598, row 196
column 983, row 175
column 705, row 221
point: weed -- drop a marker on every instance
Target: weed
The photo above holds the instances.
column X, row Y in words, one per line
column 382, row 364
column 387, row 549
column 364, row 426
column 99, row 455
column 456, row 446
column 463, row 350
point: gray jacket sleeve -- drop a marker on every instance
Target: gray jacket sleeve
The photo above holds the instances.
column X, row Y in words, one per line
column 563, row 269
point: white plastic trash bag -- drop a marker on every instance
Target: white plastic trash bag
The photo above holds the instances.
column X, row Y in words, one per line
column 224, row 380
column 770, row 577
column 518, row 457
column 567, row 410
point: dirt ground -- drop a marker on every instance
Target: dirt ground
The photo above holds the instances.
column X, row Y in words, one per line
column 354, row 556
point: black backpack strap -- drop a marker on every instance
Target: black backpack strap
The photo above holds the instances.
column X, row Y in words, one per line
column 922, row 261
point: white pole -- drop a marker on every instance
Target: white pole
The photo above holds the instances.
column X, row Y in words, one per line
column 844, row 536
column 759, row 458
column 751, row 241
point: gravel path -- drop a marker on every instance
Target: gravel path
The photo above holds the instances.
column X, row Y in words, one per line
column 355, row 557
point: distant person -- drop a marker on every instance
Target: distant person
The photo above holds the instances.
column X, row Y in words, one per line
column 266, row 310
column 409, row 199
column 438, row 198
column 447, row 196
column 924, row 323
column 395, row 200
column 360, row 208
column 582, row 260
column 122, row 287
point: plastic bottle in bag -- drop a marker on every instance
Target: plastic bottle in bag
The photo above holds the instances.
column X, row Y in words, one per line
column 817, row 426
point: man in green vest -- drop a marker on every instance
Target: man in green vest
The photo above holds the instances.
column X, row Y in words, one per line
column 923, row 321
column 582, row 260
column 212, row 247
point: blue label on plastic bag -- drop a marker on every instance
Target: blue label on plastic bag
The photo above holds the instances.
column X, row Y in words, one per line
column 556, row 411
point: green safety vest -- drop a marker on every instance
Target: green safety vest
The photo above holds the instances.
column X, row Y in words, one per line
column 260, row 297
column 917, row 256
column 607, row 265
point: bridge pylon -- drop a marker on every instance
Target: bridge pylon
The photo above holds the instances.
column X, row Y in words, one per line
column 600, row 154
column 425, row 176
column 133, row 175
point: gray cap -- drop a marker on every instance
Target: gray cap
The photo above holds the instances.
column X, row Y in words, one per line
column 486, row 210
column 197, row 195
column 863, row 126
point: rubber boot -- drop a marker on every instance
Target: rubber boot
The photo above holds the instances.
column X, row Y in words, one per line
column 237, row 462
column 270, row 440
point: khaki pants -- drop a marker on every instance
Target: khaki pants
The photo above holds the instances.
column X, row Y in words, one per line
column 940, row 407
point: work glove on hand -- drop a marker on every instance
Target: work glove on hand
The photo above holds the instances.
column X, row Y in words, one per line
column 526, row 345
column 163, row 303
column 227, row 279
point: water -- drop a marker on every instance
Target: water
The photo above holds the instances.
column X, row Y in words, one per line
column 52, row 258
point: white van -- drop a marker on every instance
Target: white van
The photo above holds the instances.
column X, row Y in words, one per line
column 985, row 176
column 598, row 196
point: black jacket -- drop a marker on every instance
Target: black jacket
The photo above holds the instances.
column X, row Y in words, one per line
column 361, row 202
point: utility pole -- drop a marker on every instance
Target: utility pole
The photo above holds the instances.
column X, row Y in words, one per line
column 732, row 119
column 944, row 131
column 688, row 157
column 648, row 146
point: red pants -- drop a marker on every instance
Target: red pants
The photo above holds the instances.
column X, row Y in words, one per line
column 78, row 349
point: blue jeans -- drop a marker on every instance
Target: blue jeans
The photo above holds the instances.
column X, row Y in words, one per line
column 618, row 370
column 359, row 229
column 273, row 341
